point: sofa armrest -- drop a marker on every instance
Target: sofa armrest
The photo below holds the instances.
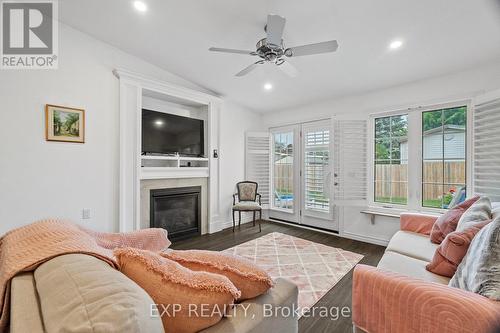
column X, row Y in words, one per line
column 416, row 222
column 387, row 302
column 263, row 313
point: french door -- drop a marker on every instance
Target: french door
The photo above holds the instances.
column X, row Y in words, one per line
column 301, row 174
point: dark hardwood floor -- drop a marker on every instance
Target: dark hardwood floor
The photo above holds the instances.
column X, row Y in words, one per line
column 338, row 297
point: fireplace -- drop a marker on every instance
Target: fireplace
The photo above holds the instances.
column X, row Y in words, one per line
column 178, row 210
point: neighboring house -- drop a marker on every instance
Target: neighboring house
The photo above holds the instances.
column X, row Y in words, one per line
column 454, row 144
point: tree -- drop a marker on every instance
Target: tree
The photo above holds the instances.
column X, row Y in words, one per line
column 70, row 120
column 57, row 123
column 438, row 118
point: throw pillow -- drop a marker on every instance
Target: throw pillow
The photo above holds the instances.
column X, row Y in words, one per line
column 251, row 280
column 447, row 222
column 452, row 250
column 187, row 301
column 479, row 211
column 479, row 271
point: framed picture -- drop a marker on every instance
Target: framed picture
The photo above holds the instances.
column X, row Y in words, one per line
column 64, row 124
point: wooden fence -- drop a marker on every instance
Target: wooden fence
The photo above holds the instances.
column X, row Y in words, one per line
column 392, row 179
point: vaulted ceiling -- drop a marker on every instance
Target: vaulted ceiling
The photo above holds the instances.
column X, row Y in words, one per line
column 439, row 37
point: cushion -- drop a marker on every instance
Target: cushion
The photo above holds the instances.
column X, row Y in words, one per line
column 80, row 293
column 409, row 266
column 188, row 301
column 413, row 245
column 453, row 249
column 252, row 316
column 25, row 313
column 447, row 222
column 479, row 271
column 479, row 211
column 247, row 277
column 247, row 205
column 495, row 210
column 247, row 191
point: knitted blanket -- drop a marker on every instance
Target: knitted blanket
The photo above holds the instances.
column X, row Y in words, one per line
column 25, row 248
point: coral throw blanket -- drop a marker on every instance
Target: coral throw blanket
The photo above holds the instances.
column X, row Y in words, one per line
column 25, row 248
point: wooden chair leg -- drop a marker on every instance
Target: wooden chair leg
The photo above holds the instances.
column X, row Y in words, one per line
column 234, row 222
column 260, row 228
column 239, row 217
column 260, row 219
column 253, row 218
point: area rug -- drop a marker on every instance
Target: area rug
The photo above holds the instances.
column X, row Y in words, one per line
column 315, row 268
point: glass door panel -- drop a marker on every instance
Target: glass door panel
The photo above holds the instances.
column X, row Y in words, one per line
column 284, row 172
column 316, row 175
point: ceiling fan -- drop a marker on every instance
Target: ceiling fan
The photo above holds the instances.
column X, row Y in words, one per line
column 272, row 50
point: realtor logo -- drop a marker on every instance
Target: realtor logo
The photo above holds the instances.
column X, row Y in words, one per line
column 29, row 34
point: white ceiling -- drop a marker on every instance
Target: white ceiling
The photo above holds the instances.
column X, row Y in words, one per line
column 440, row 36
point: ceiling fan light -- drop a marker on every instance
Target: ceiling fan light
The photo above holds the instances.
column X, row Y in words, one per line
column 268, row 86
column 396, row 44
column 140, row 6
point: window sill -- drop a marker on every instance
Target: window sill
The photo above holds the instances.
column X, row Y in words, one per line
column 379, row 210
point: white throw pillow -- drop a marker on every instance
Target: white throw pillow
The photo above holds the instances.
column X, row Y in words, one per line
column 479, row 271
column 479, row 211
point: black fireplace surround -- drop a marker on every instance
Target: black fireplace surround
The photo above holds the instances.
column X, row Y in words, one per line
column 178, row 210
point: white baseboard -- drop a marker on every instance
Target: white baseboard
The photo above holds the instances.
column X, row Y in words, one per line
column 366, row 239
column 333, row 233
column 221, row 225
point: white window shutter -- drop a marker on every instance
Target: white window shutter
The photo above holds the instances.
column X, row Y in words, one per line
column 257, row 161
column 486, row 124
column 350, row 160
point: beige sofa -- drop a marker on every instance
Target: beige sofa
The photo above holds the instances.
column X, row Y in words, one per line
column 400, row 295
column 79, row 293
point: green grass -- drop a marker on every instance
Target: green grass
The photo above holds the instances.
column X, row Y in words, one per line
column 395, row 200
column 431, row 203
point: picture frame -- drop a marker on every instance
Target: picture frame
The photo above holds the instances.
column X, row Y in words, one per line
column 64, row 124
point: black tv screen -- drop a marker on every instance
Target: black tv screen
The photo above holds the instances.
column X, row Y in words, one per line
column 164, row 133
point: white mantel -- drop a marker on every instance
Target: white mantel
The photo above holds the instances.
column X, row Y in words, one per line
column 132, row 89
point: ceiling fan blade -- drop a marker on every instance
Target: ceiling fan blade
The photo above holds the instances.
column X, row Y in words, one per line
column 317, row 48
column 248, row 69
column 218, row 49
column 274, row 28
column 288, row 69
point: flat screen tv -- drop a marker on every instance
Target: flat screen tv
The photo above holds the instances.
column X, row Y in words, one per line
column 164, row 133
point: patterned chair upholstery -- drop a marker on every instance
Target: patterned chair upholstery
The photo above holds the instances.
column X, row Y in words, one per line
column 249, row 200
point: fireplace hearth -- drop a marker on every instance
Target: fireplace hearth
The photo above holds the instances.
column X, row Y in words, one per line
column 178, row 210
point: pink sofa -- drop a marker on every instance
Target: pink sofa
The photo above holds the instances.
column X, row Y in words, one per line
column 401, row 296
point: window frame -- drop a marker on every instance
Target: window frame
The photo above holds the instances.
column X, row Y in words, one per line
column 415, row 159
column 295, row 171
column 372, row 179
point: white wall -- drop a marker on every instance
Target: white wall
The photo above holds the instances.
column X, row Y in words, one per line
column 40, row 179
column 458, row 86
column 235, row 121
column 426, row 92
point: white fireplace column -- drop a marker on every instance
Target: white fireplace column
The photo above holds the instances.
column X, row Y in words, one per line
column 132, row 89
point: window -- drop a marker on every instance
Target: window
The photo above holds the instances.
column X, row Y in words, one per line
column 443, row 156
column 391, row 160
column 283, row 170
column 420, row 157
column 316, row 168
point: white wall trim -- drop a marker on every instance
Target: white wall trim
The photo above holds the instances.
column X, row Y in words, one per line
column 132, row 88
column 366, row 239
column 162, row 86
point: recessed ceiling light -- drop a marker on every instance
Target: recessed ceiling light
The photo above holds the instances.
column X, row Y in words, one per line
column 268, row 86
column 140, row 6
column 159, row 122
column 396, row 44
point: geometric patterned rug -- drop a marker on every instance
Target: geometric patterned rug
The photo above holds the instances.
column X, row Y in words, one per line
column 315, row 268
